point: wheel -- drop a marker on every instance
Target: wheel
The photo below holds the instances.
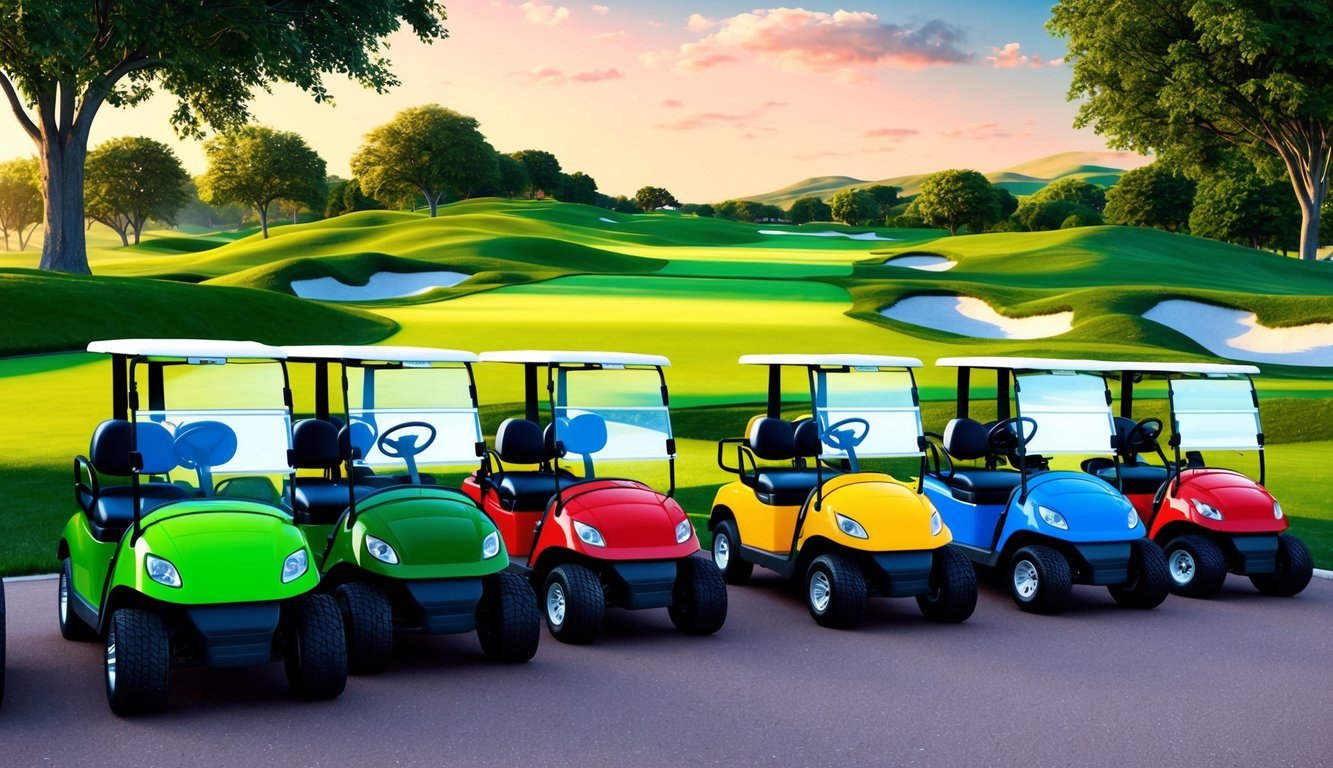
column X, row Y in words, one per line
column 367, row 620
column 316, row 658
column 953, row 587
column 1148, row 582
column 1196, row 565
column 1039, row 579
column 71, row 626
column 574, row 603
column 835, row 591
column 138, row 660
column 2, row 641
column 509, row 625
column 727, row 555
column 1294, row 569
column 699, row 597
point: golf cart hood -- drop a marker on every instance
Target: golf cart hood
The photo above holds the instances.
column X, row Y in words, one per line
column 1093, row 508
column 635, row 521
column 1245, row 505
column 436, row 533
column 895, row 517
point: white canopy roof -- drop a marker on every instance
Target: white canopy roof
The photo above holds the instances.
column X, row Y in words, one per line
column 186, row 348
column 386, row 354
column 878, row 361
column 550, row 357
column 1058, row 364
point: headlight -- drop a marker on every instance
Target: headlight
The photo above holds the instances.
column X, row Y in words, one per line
column 490, row 546
column 380, row 550
column 683, row 531
column 1207, row 510
column 294, row 566
column 1277, row 511
column 850, row 527
column 162, row 571
column 589, row 535
column 1052, row 518
column 936, row 523
column 1132, row 518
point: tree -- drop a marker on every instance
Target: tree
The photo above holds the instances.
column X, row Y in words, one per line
column 426, row 150
column 543, row 171
column 1236, row 206
column 579, row 187
column 513, row 179
column 705, row 211
column 127, row 181
column 257, row 165
column 1005, row 201
column 650, row 199
column 622, row 204
column 809, row 208
column 852, row 206
column 886, row 197
column 1074, row 191
column 957, row 198
column 1151, row 196
column 1183, row 76
column 1041, row 215
column 20, row 200
column 62, row 60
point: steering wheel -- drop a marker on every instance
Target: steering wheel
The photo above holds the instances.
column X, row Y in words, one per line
column 1143, row 436
column 406, row 446
column 204, row 444
column 1002, row 439
column 846, row 439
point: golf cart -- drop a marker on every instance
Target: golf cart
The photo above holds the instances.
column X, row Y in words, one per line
column 398, row 549
column 1048, row 529
column 847, row 531
column 183, row 550
column 593, row 538
column 1208, row 520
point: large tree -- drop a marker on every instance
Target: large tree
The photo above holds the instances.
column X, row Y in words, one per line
column 427, row 150
column 62, row 60
column 650, row 199
column 853, row 206
column 1237, row 206
column 1177, row 76
column 1074, row 191
column 132, row 179
column 1151, row 196
column 809, row 208
column 20, row 200
column 543, row 171
column 956, row 198
column 579, row 187
column 257, row 165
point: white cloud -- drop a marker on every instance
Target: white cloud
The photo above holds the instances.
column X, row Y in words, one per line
column 1011, row 56
column 600, row 10
column 539, row 13
column 699, row 22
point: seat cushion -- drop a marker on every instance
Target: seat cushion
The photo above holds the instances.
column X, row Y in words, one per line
column 526, row 491
column 982, row 486
column 322, row 500
column 1136, row 479
column 113, row 510
column 786, row 487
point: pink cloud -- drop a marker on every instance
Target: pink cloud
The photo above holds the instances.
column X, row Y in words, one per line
column 539, row 13
column 672, row 103
column 1011, row 56
column 891, row 134
column 607, row 35
column 600, row 10
column 988, row 131
column 699, row 22
column 742, row 120
column 596, row 76
column 553, row 76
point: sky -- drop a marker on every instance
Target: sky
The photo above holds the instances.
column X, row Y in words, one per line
column 708, row 98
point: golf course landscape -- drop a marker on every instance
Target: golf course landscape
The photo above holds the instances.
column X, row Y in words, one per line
column 517, row 274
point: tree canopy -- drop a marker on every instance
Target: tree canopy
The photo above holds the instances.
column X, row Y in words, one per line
column 809, row 208
column 1237, row 206
column 650, row 199
column 543, row 171
column 955, row 198
column 257, row 165
column 853, row 206
column 20, row 200
column 1151, row 196
column 132, row 179
column 579, row 187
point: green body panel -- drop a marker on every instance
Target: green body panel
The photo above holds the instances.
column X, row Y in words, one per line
column 437, row 533
column 89, row 558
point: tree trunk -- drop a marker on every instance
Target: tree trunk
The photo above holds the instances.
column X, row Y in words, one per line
column 433, row 201
column 65, row 247
column 1307, row 172
column 263, row 219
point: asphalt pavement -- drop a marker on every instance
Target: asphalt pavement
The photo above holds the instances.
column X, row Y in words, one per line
column 1241, row 680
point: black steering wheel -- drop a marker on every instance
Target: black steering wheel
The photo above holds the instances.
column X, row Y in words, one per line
column 1143, row 436
column 846, row 439
column 1003, row 439
column 406, row 447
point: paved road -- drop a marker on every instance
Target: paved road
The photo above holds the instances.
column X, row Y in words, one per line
column 1242, row 680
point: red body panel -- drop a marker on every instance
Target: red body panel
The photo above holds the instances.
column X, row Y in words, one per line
column 1246, row 506
column 516, row 527
column 636, row 522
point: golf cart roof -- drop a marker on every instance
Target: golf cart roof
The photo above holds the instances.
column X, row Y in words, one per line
column 851, row 361
column 188, row 348
column 1058, row 364
column 360, row 353
column 556, row 357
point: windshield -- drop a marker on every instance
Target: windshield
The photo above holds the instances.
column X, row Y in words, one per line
column 1212, row 414
column 425, row 414
column 883, row 399
column 604, row 415
column 1072, row 411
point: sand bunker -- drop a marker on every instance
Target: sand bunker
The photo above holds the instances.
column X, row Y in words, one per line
column 382, row 285
column 1238, row 335
column 928, row 263
column 848, row 235
column 968, row 316
column 608, row 221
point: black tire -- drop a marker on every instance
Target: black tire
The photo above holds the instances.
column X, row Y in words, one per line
column 1148, row 582
column 316, row 649
column 699, row 597
column 2, row 641
column 727, row 554
column 953, row 587
column 835, row 591
column 1295, row 568
column 367, row 619
column 1039, row 579
column 71, row 626
column 138, row 661
column 581, row 604
column 1195, row 565
column 509, row 625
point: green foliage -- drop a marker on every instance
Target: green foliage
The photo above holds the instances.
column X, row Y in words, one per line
column 1236, row 206
column 257, row 165
column 427, row 150
column 748, row 210
column 853, row 207
column 1044, row 215
column 705, row 210
column 1005, row 202
column 622, row 204
column 513, row 176
column 886, row 197
column 543, row 171
column 20, row 200
column 579, row 187
column 1074, row 191
column 130, row 180
column 196, row 213
column 1151, row 196
column 807, row 209
column 1084, row 217
column 956, row 198
column 650, row 199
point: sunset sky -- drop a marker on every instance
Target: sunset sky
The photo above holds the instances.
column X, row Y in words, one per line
column 710, row 99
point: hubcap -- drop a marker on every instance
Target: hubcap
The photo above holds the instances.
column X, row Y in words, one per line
column 721, row 551
column 1025, row 579
column 111, row 658
column 1182, row 566
column 555, row 603
column 820, row 591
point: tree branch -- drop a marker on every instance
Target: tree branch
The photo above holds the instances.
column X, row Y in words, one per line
column 100, row 89
column 29, row 127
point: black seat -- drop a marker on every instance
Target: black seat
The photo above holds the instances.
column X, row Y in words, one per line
column 968, row 440
column 1140, row 478
column 318, row 444
column 774, row 439
column 111, row 508
column 519, row 441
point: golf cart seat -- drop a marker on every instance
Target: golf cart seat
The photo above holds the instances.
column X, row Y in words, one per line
column 110, row 509
column 966, row 440
column 316, row 445
column 774, row 439
column 1134, row 478
column 519, row 441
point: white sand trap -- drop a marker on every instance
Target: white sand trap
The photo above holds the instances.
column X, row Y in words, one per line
column 381, row 285
column 608, row 221
column 928, row 263
column 848, row 235
column 1237, row 334
column 968, row 316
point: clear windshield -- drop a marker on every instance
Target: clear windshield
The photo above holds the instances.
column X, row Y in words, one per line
column 883, row 399
column 419, row 413
column 1212, row 414
column 611, row 415
column 1072, row 412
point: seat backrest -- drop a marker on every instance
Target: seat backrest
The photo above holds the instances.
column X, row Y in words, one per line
column 806, row 438
column 966, row 439
column 315, row 444
column 520, row 441
column 772, row 439
column 1123, row 426
column 109, row 449
column 585, row 435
